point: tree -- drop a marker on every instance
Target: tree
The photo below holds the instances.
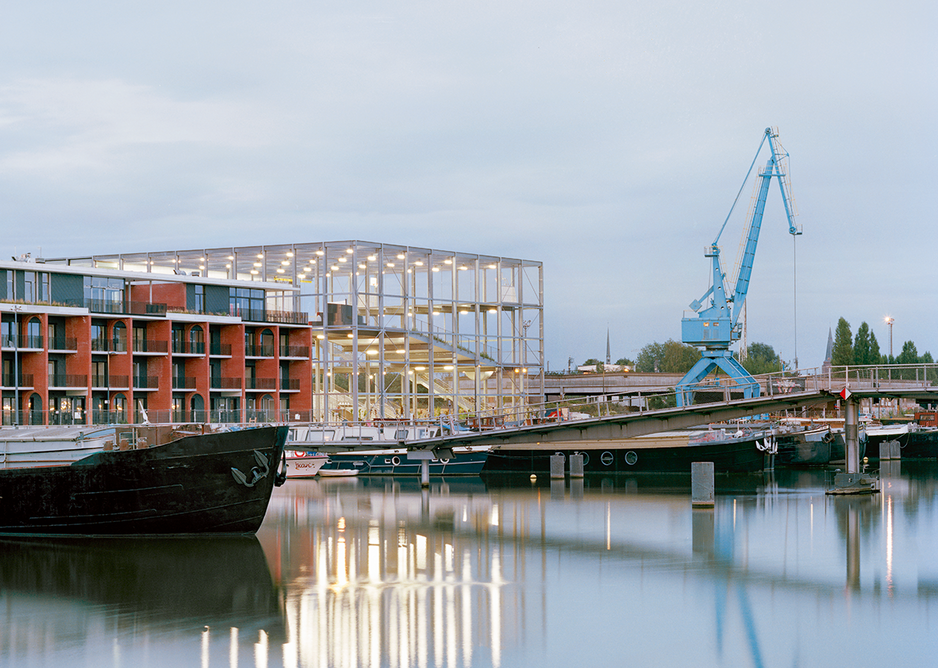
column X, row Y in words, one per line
column 843, row 346
column 876, row 357
column 909, row 354
column 625, row 361
column 668, row 357
column 761, row 358
column 861, row 346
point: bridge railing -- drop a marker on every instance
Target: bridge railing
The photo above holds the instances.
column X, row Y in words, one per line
column 882, row 377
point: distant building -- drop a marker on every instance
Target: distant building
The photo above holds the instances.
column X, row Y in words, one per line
column 829, row 355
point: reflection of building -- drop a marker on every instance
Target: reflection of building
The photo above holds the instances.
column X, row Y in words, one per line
column 396, row 585
column 392, row 332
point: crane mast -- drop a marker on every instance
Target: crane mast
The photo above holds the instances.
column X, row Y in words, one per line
column 716, row 326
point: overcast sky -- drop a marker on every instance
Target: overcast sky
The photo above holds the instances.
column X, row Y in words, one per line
column 606, row 139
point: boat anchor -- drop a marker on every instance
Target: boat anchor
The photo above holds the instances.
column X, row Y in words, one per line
column 256, row 472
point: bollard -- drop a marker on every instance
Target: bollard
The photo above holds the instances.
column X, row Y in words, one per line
column 701, row 484
column 556, row 467
column 576, row 465
column 896, row 450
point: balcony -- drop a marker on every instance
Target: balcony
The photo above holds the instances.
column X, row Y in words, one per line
column 25, row 380
column 63, row 344
column 301, row 352
column 220, row 349
column 283, row 317
column 100, row 381
column 218, row 383
column 260, row 383
column 263, row 350
column 146, row 382
column 289, row 385
column 188, row 347
column 120, row 308
column 14, row 342
column 102, row 345
column 183, row 382
column 67, row 380
column 150, row 347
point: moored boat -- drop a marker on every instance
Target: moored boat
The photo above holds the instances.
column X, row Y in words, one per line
column 465, row 461
column 304, row 463
column 741, row 451
column 204, row 483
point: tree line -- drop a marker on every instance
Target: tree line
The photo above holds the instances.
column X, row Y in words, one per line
column 676, row 357
column 849, row 350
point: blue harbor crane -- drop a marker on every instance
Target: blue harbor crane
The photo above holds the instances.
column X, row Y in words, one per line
column 716, row 326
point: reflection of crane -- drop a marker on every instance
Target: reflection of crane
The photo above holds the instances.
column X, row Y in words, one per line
column 717, row 326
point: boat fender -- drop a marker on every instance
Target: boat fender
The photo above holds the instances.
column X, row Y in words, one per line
column 395, row 460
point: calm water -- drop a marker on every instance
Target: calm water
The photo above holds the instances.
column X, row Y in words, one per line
column 377, row 572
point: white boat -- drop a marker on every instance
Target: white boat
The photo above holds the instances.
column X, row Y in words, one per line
column 379, row 434
column 303, row 463
column 337, row 473
column 27, row 447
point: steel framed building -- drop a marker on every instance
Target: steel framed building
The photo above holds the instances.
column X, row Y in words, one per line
column 396, row 332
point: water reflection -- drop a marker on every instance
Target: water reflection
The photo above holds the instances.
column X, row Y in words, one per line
column 503, row 572
column 124, row 598
column 498, row 571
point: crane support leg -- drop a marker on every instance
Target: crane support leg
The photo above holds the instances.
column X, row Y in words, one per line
column 738, row 377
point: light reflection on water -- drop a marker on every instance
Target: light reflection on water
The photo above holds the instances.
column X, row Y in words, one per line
column 504, row 572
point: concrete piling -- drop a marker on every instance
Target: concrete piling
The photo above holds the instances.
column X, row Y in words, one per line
column 576, row 465
column 701, row 483
column 556, row 467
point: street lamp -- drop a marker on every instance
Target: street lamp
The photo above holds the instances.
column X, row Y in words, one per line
column 889, row 320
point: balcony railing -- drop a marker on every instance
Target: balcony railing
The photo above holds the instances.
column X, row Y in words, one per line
column 294, row 351
column 151, row 346
column 26, row 380
column 63, row 343
column 218, row 383
column 189, row 347
column 267, row 315
column 289, row 384
column 260, row 383
column 264, row 350
column 101, row 380
column 146, row 382
column 67, row 380
column 14, row 341
column 220, row 349
column 183, row 382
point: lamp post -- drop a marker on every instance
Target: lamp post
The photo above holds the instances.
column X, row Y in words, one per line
column 889, row 320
